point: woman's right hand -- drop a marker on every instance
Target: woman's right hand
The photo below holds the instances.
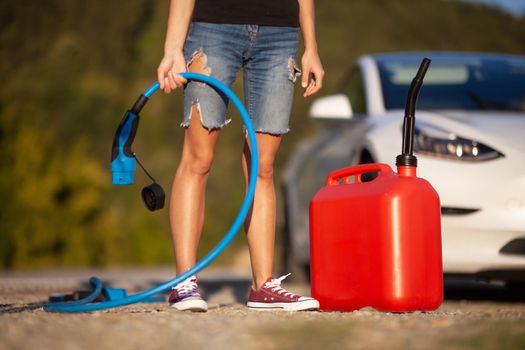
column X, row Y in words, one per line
column 169, row 66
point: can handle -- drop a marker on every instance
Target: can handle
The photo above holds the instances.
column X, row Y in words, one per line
column 356, row 171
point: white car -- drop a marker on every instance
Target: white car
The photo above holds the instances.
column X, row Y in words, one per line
column 470, row 144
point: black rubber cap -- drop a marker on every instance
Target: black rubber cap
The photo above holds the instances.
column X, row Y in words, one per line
column 153, row 196
column 406, row 160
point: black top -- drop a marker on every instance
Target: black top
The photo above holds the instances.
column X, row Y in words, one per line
column 281, row 13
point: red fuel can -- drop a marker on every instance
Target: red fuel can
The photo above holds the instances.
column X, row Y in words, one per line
column 376, row 243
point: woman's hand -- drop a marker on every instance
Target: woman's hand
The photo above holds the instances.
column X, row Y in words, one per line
column 167, row 75
column 311, row 64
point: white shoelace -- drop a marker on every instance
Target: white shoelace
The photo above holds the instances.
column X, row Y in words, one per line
column 187, row 287
column 275, row 285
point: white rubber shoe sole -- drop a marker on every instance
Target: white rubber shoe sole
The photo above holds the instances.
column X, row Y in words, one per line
column 191, row 304
column 303, row 305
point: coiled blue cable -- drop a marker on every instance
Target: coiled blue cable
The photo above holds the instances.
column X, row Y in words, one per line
column 86, row 306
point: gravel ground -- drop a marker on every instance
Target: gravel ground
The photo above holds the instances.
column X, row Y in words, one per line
column 457, row 324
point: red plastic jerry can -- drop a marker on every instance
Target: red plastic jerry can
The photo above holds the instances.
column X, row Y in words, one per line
column 376, row 243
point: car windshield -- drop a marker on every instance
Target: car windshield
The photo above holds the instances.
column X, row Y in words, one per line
column 495, row 83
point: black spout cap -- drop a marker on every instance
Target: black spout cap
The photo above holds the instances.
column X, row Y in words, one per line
column 406, row 160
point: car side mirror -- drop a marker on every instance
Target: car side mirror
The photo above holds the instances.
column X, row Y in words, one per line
column 331, row 107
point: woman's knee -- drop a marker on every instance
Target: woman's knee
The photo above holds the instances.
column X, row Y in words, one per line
column 265, row 169
column 197, row 161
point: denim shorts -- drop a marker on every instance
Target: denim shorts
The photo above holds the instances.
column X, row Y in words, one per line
column 267, row 56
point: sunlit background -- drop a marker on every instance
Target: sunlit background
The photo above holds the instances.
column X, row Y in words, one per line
column 70, row 69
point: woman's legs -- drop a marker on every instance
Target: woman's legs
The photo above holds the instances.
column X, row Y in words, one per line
column 188, row 191
column 269, row 75
column 216, row 50
column 260, row 223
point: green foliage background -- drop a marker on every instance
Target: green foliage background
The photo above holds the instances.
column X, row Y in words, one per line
column 69, row 70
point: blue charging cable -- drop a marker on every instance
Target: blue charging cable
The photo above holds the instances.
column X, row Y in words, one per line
column 87, row 304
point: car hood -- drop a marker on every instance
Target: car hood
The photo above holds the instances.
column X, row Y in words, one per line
column 492, row 128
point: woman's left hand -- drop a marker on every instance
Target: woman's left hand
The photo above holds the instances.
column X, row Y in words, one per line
column 311, row 64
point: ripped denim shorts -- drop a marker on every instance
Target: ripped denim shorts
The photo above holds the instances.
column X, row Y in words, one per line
column 267, row 56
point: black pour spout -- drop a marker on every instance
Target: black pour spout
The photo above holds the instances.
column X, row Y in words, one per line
column 407, row 158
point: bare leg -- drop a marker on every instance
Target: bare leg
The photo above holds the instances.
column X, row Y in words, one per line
column 188, row 191
column 260, row 223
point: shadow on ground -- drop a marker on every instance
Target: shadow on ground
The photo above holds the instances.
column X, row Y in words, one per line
column 239, row 287
column 469, row 289
column 16, row 308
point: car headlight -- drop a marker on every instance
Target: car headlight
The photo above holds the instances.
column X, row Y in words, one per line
column 439, row 143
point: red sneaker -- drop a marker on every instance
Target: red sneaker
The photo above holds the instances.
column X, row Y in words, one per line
column 185, row 296
column 271, row 296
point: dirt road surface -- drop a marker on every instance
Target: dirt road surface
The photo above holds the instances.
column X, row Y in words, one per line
column 457, row 324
